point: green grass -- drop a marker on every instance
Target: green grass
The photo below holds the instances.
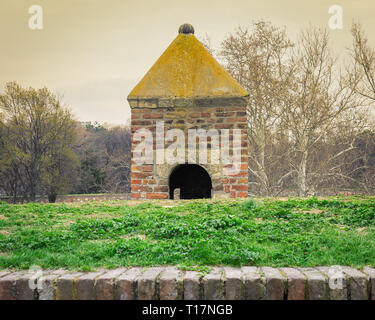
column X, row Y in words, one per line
column 192, row 234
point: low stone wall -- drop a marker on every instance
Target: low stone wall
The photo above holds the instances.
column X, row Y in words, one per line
column 76, row 198
column 169, row 283
column 92, row 197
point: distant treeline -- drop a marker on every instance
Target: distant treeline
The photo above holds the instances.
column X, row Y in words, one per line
column 43, row 151
column 104, row 157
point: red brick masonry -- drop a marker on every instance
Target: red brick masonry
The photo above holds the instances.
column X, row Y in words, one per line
column 169, row 283
column 145, row 184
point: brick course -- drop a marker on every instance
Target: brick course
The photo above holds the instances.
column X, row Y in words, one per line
column 158, row 283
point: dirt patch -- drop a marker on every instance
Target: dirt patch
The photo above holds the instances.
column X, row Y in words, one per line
column 3, row 217
column 134, row 236
column 313, row 211
column 342, row 226
column 101, row 215
column 166, row 202
column 361, row 230
column 183, row 213
column 175, row 203
column 133, row 203
column 126, row 237
column 66, row 223
column 4, row 232
column 100, row 240
column 65, row 213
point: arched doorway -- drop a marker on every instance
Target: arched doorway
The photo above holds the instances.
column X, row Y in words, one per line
column 193, row 180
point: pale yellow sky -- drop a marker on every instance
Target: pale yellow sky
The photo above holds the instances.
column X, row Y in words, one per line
column 93, row 52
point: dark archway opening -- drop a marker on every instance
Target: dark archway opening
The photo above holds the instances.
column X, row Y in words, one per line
column 193, row 180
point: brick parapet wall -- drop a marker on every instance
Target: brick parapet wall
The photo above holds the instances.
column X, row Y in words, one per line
column 147, row 185
column 75, row 198
column 169, row 283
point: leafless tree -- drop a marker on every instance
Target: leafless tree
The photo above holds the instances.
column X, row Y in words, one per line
column 304, row 111
column 258, row 58
column 104, row 153
column 364, row 59
column 320, row 98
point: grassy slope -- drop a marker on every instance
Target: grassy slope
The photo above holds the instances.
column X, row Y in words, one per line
column 297, row 232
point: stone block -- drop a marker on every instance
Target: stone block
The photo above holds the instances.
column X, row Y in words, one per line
column 126, row 287
column 147, row 284
column 213, row 285
column 26, row 287
column 371, row 273
column 66, row 285
column 170, row 287
column 105, row 284
column 296, row 284
column 317, row 284
column 192, row 289
column 8, row 286
column 358, row 284
column 275, row 283
column 234, row 286
column 46, row 288
column 86, row 286
column 337, row 282
column 254, row 283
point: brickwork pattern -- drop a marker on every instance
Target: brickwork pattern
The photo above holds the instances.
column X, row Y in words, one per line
column 145, row 183
column 169, row 283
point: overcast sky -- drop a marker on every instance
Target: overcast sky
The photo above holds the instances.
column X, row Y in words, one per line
column 93, row 52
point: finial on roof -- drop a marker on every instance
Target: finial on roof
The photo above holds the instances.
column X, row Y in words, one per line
column 186, row 28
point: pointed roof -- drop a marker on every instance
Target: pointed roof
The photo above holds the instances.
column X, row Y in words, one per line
column 186, row 70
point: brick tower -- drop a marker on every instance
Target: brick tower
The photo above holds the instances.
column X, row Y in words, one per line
column 187, row 89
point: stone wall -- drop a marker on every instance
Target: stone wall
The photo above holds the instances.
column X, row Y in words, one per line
column 75, row 198
column 169, row 283
column 151, row 181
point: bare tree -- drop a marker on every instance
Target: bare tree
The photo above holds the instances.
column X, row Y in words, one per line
column 320, row 98
column 305, row 116
column 11, row 175
column 118, row 159
column 207, row 43
column 104, row 153
column 258, row 59
column 364, row 59
column 340, row 160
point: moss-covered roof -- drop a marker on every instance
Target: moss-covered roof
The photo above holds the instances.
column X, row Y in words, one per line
column 186, row 70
